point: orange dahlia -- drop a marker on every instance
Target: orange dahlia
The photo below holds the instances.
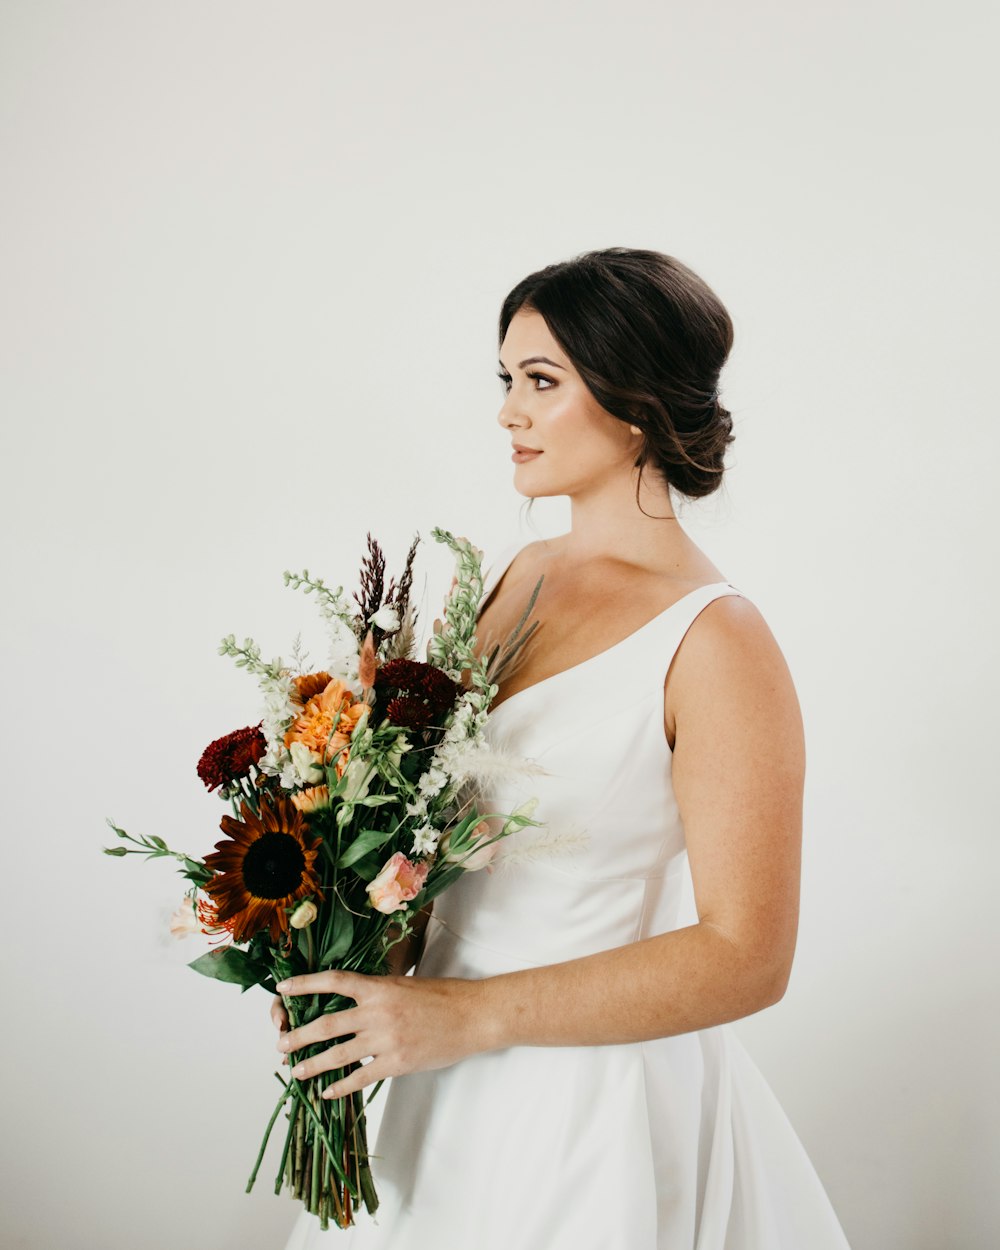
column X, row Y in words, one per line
column 266, row 867
column 334, row 703
column 309, row 684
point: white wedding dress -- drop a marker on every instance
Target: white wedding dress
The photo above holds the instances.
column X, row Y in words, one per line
column 673, row 1144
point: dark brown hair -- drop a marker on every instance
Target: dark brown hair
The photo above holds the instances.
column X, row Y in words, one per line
column 649, row 338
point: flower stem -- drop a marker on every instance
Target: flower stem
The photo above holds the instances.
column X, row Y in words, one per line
column 285, row 1168
column 267, row 1133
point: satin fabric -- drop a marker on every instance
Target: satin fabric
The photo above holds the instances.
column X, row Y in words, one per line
column 673, row 1144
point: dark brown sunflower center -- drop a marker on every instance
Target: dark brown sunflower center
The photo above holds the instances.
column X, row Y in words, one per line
column 273, row 866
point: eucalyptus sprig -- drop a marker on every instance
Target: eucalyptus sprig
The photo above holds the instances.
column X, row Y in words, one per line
column 155, row 848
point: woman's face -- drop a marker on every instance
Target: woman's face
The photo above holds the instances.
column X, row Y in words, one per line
column 549, row 409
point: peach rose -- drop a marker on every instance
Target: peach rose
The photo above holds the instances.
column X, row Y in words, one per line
column 397, row 883
column 475, row 855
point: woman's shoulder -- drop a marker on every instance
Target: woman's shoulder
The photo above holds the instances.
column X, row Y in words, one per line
column 729, row 664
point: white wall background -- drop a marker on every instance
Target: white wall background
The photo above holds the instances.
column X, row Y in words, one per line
column 251, row 260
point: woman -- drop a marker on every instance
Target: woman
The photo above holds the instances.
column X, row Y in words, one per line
column 565, row 1078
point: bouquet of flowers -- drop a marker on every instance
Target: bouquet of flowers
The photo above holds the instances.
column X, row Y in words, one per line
column 353, row 806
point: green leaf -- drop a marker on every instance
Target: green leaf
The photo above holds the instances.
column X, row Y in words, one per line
column 369, row 867
column 438, row 882
column 367, row 840
column 341, row 936
column 232, row 965
column 459, row 836
column 195, row 872
column 157, row 841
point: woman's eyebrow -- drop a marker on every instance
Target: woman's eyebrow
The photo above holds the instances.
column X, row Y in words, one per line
column 533, row 360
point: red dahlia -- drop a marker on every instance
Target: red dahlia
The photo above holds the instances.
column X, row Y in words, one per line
column 231, row 757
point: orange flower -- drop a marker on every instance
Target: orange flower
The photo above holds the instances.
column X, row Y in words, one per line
column 313, row 724
column 307, row 685
column 312, row 798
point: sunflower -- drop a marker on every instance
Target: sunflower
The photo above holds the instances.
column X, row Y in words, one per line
column 266, row 867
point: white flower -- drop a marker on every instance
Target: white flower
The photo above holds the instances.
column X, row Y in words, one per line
column 342, row 658
column 306, row 764
column 184, row 921
column 425, row 839
column 358, row 780
column 433, row 781
column 386, row 618
column 398, row 749
column 303, row 915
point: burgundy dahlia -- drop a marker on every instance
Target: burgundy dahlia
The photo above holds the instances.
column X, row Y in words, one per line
column 426, row 693
column 231, row 757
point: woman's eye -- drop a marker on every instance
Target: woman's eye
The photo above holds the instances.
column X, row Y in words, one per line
column 505, row 379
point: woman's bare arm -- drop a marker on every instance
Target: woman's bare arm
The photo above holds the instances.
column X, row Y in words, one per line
column 738, row 774
column 738, row 771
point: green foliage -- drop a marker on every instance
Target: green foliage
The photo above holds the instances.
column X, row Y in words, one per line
column 154, row 847
column 235, row 966
column 366, row 841
column 340, row 938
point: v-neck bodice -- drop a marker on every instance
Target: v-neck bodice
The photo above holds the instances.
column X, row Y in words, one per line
column 502, row 563
column 605, row 797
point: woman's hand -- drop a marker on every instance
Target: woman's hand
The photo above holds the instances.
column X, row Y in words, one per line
column 280, row 1017
column 407, row 1024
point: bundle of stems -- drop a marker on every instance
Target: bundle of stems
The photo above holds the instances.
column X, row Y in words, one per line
column 325, row 1161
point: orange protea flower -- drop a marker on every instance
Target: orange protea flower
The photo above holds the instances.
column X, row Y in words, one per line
column 313, row 724
column 268, row 865
column 208, row 920
column 309, row 684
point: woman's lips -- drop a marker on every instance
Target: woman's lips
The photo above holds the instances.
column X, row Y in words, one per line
column 519, row 456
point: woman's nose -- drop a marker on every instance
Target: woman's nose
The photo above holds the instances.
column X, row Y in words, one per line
column 508, row 416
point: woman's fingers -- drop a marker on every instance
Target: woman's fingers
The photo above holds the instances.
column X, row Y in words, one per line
column 322, row 1029
column 331, row 981
column 340, row 1056
column 366, row 1074
column 279, row 1015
